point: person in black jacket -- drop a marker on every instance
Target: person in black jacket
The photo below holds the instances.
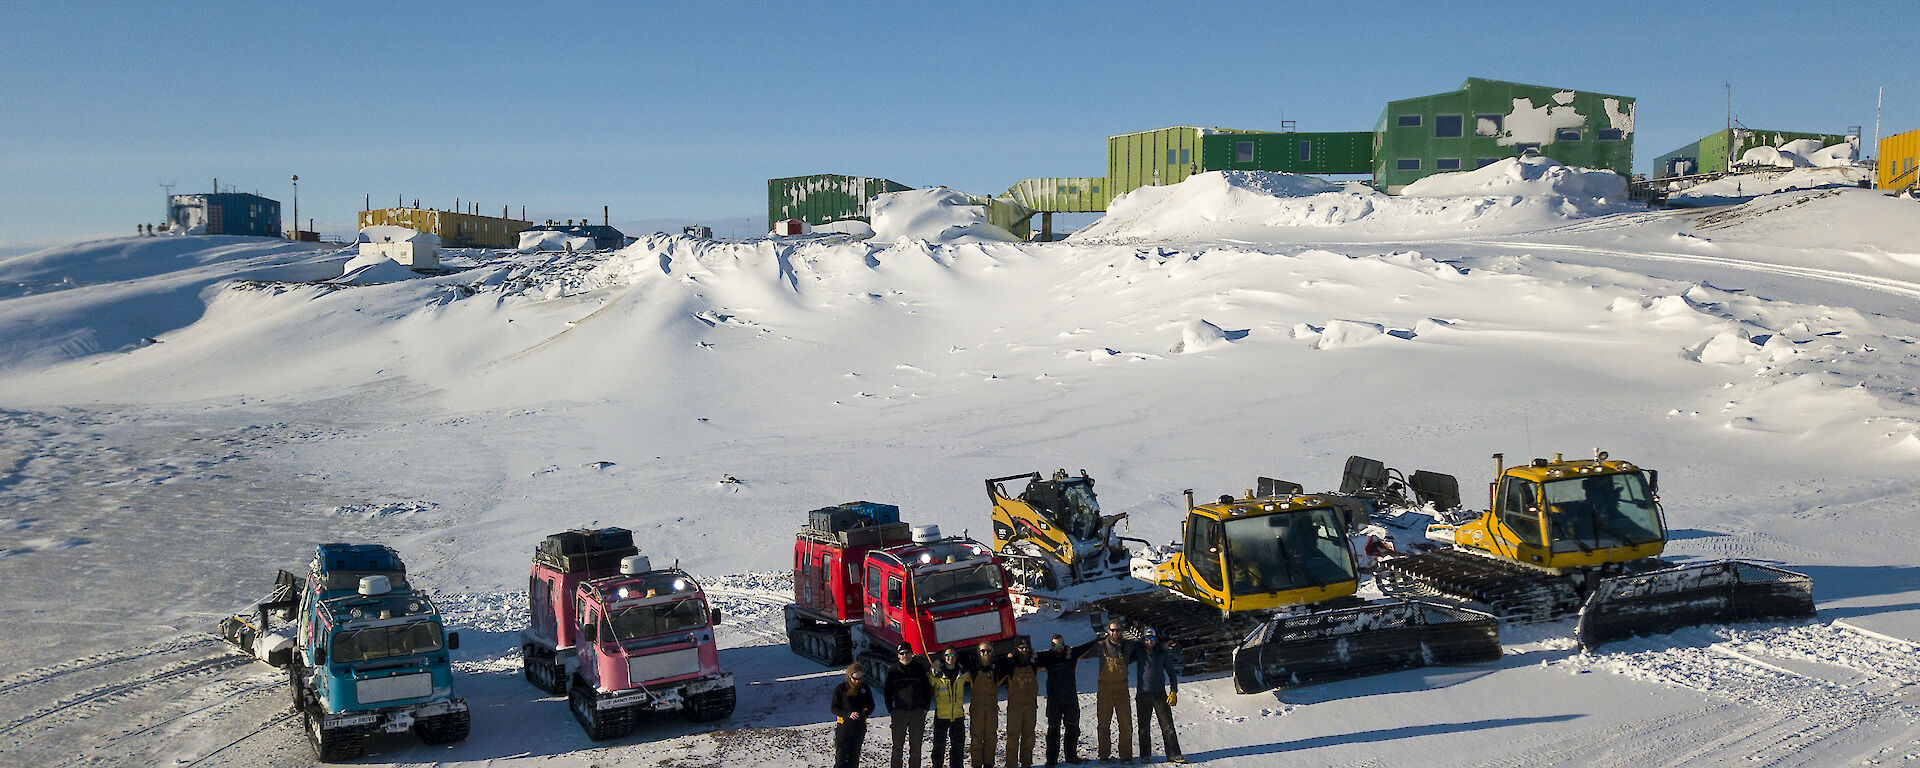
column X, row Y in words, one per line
column 1063, row 696
column 1157, row 667
column 908, row 693
column 852, row 705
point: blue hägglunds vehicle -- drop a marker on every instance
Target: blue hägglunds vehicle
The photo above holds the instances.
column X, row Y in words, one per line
column 365, row 653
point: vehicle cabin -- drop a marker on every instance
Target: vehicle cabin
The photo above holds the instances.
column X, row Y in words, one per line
column 379, row 650
column 644, row 630
column 827, row 568
column 1570, row 514
column 1265, row 552
column 561, row 563
column 936, row 595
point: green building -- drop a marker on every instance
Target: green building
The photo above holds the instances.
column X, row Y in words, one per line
column 1488, row 120
column 1709, row 154
column 1482, row 122
column 824, row 197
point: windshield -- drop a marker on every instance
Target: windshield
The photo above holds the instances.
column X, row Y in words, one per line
column 649, row 620
column 386, row 642
column 980, row 578
column 1287, row 551
column 1600, row 511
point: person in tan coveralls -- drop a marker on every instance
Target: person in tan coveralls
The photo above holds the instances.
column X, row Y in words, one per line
column 1023, row 703
column 984, row 679
column 1111, row 698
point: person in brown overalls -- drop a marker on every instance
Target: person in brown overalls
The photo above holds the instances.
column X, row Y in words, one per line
column 1023, row 702
column 984, row 678
column 1111, row 700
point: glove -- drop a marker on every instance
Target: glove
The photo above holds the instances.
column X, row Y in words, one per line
column 1173, row 698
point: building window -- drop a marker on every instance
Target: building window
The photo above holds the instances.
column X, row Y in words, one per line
column 1485, row 161
column 1489, row 125
column 1567, row 134
column 1407, row 164
column 1170, row 156
column 1447, row 164
column 1611, row 134
column 1446, row 126
column 1529, row 148
column 1306, row 151
column 1243, row 151
column 1185, row 156
column 1095, row 189
column 1060, row 190
column 1073, row 189
column 1408, row 121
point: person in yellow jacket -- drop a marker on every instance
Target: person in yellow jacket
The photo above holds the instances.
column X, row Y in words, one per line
column 949, row 706
column 1023, row 703
column 1115, row 654
column 984, row 680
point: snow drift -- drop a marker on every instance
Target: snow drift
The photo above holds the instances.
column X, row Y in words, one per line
column 936, row 215
column 1515, row 194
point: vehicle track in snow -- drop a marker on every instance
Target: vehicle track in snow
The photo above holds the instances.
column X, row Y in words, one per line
column 1887, row 285
column 1791, row 695
column 153, row 696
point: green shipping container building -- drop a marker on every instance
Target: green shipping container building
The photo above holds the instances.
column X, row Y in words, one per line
column 824, row 197
column 1488, row 120
column 1326, row 153
column 1709, row 154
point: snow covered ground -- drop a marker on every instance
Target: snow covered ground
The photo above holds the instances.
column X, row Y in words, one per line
column 184, row 415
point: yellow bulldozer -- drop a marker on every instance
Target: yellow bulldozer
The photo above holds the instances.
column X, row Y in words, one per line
column 1264, row 585
column 1566, row 536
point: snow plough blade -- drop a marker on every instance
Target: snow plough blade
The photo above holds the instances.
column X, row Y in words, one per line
column 1351, row 642
column 1710, row 593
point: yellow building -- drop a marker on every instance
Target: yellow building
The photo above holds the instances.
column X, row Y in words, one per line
column 455, row 229
column 1899, row 159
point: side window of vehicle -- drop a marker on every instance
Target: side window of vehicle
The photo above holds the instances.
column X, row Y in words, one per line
column 895, row 592
column 1205, row 555
column 873, row 581
column 1519, row 509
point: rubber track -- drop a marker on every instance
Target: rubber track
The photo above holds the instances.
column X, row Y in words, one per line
column 1205, row 636
column 1511, row 591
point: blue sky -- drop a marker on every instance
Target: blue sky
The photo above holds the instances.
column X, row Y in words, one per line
column 683, row 110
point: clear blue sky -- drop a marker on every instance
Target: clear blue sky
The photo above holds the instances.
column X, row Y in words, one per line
column 683, row 110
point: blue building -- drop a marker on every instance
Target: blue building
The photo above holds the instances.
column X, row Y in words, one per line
column 224, row 213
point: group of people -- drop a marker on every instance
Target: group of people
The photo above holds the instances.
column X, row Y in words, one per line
column 960, row 687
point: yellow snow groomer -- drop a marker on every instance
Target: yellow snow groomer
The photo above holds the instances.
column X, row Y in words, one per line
column 1585, row 535
column 1265, row 585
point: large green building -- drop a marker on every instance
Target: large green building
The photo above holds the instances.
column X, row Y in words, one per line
column 824, row 197
column 1487, row 120
column 1483, row 121
column 1709, row 154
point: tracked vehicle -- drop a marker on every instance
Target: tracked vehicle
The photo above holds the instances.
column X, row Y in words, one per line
column 1264, row 585
column 619, row 637
column 367, row 653
column 1564, row 537
column 1052, row 534
column 864, row 583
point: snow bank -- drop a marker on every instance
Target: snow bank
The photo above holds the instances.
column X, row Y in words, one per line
column 1531, row 176
column 552, row 240
column 386, row 233
column 936, row 215
column 1727, row 190
column 368, row 269
column 1803, row 153
column 855, row 228
column 1256, row 206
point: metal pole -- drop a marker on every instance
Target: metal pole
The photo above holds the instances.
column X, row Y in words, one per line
column 296, row 206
